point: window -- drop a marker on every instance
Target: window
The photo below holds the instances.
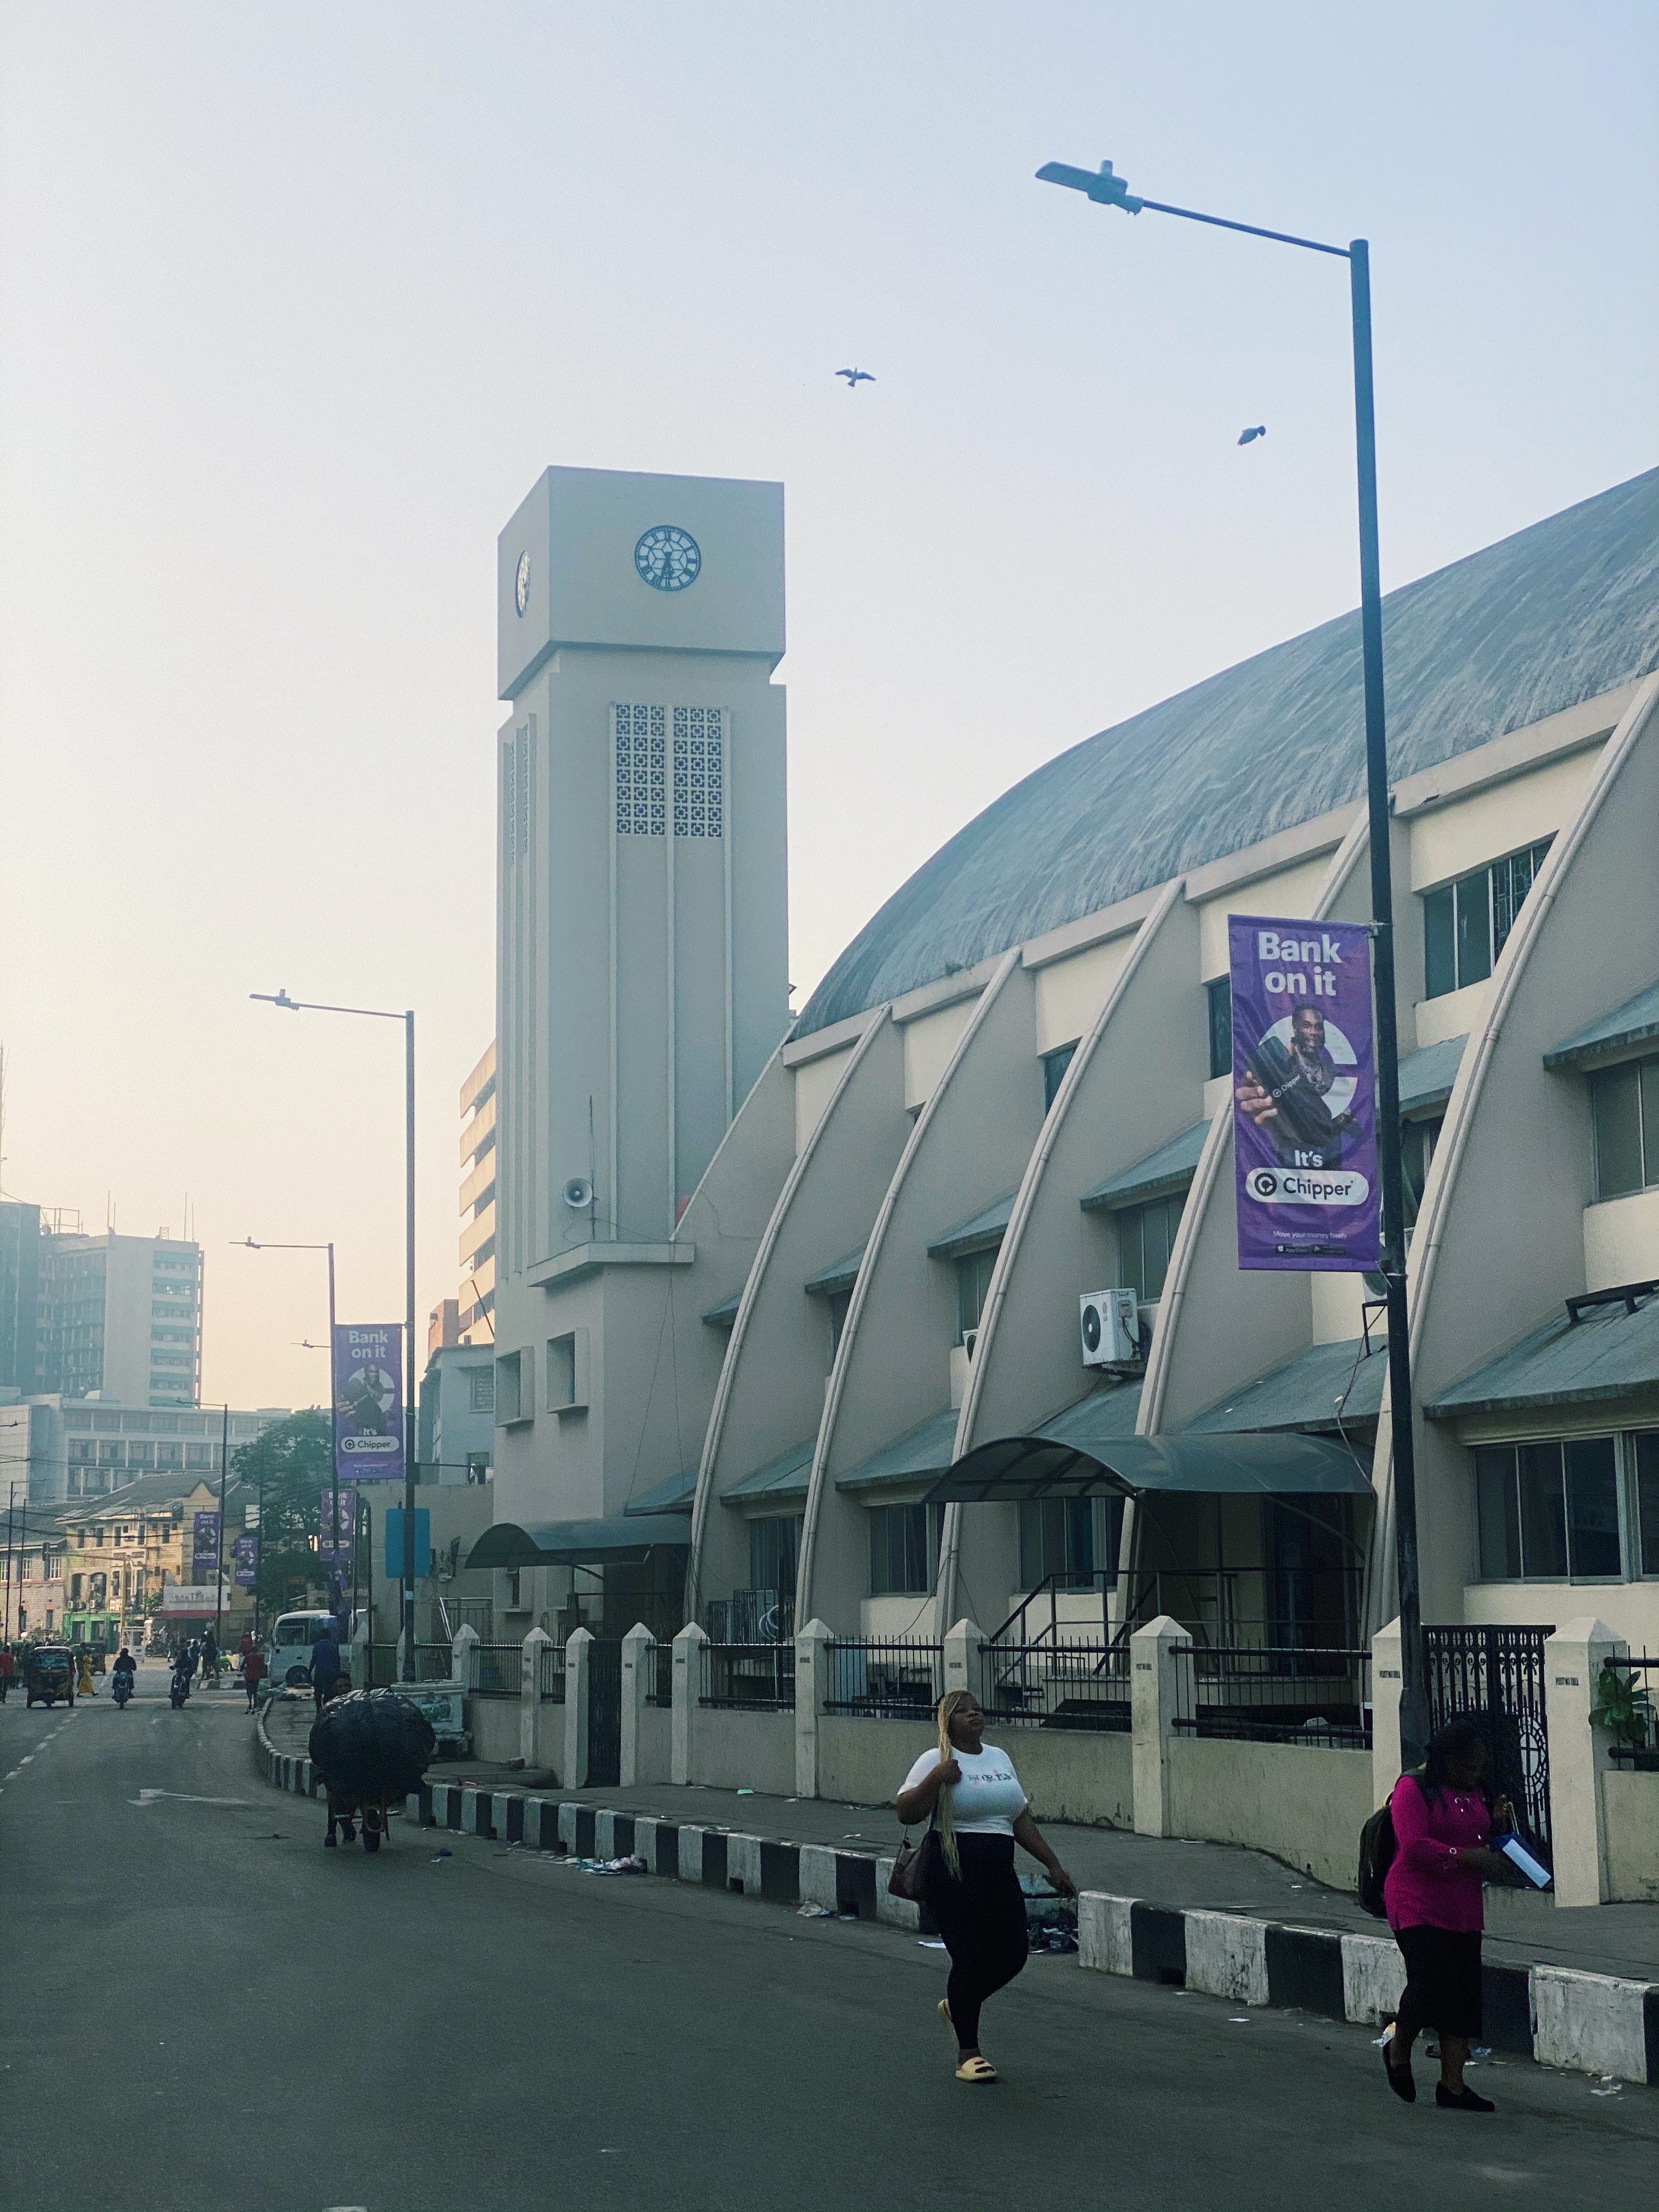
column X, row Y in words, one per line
column 1145, row 1237
column 481, row 1389
column 1467, row 924
column 1645, row 1451
column 1069, row 1537
column 1220, row 996
column 774, row 1552
column 973, row 1281
column 1054, row 1065
column 840, row 1303
column 1625, row 1110
column 1549, row 1512
column 1418, row 1141
column 566, row 1371
column 507, row 1388
column 904, row 1550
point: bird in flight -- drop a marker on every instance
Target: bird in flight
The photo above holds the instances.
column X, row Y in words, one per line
column 855, row 377
column 1259, row 431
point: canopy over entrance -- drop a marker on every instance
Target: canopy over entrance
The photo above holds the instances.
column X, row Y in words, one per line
column 1017, row 1467
column 579, row 1543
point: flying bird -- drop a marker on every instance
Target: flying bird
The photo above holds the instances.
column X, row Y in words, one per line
column 1259, row 431
column 855, row 377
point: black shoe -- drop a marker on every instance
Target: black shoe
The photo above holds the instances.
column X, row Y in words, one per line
column 1462, row 2100
column 1400, row 2077
column 350, row 1832
column 331, row 1842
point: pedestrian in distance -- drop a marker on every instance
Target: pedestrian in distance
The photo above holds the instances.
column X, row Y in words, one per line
column 969, row 1792
column 8, row 1671
column 1443, row 1821
column 325, row 1668
column 254, row 1673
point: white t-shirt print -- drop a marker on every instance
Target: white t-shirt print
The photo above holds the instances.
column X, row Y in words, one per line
column 987, row 1800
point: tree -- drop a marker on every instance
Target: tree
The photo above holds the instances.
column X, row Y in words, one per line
column 289, row 1465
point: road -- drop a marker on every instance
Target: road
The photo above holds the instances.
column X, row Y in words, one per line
column 204, row 2011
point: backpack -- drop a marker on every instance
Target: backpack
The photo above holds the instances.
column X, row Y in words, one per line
column 1377, row 1846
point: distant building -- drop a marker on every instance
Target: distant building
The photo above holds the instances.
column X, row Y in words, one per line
column 477, row 1244
column 66, row 1450
column 20, row 1294
column 120, row 1317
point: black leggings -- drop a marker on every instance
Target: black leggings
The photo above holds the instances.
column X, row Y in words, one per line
column 982, row 1920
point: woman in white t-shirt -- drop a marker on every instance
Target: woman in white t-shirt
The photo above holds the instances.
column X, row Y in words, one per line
column 969, row 1790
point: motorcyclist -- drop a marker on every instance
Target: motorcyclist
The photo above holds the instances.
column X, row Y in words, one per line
column 122, row 1673
column 209, row 1657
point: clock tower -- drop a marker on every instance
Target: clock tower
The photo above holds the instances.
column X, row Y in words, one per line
column 641, row 977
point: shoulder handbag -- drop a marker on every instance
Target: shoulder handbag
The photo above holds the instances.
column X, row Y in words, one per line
column 912, row 1865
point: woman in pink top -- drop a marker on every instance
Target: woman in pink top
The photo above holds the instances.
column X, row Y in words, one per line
column 1443, row 1824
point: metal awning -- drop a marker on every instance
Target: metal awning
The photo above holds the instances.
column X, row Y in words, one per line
column 676, row 1495
column 782, row 1481
column 1019, row 1468
column 724, row 1315
column 1427, row 1075
column 840, row 1277
column 1304, row 1393
column 1607, row 1352
column 578, row 1543
column 1632, row 1023
column 979, row 1233
column 1170, row 1168
column 921, row 1451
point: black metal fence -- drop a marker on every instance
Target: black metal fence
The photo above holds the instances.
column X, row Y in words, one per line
column 1080, row 1683
column 382, row 1665
column 432, row 1662
column 659, row 1674
column 496, row 1670
column 1636, row 1739
column 751, row 1616
column 550, row 1674
column 885, row 1678
column 757, row 1677
column 1496, row 1676
column 1250, row 1694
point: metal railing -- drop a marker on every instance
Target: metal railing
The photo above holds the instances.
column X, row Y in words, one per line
column 755, row 1677
column 751, row 1616
column 1629, row 1748
column 497, row 1670
column 1207, row 1602
column 1079, row 1683
column 660, row 1676
column 1275, row 1694
column 382, row 1665
column 432, row 1662
column 478, row 1613
column 884, row 1677
column 550, row 1674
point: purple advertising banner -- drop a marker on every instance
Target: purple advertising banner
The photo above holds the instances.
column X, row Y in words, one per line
column 368, row 1400
column 1304, row 1097
column 245, row 1553
column 205, row 1548
column 336, row 1554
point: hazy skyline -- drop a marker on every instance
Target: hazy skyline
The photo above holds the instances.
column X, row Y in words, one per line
column 298, row 303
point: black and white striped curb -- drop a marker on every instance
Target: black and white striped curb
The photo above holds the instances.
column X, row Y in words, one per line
column 1587, row 2023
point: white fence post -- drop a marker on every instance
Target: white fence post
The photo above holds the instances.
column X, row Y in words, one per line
column 576, row 1709
column 460, row 1655
column 965, row 1663
column 812, row 1672
column 1160, row 1682
column 636, row 1649
column 688, row 1680
column 530, row 1691
column 1573, row 1658
column 1385, row 1712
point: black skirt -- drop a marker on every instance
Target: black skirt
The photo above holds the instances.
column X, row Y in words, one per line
column 1442, row 1979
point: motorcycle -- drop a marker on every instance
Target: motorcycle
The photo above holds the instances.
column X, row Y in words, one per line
column 122, row 1688
column 178, row 1689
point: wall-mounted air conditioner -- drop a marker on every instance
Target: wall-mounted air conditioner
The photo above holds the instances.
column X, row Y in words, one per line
column 1109, row 1322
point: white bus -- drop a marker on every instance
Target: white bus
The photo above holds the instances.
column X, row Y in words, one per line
column 291, row 1640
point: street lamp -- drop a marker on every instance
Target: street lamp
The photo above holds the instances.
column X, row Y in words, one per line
column 279, row 998
column 1108, row 190
column 333, row 1425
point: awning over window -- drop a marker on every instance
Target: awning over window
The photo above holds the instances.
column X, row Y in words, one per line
column 923, row 1451
column 782, row 1481
column 1305, row 1393
column 1170, row 1168
column 1608, row 1353
column 1426, row 1077
column 840, row 1277
column 726, row 1315
column 676, row 1495
column 578, row 1543
column 1634, row 1022
column 977, row 1233
column 1019, row 1468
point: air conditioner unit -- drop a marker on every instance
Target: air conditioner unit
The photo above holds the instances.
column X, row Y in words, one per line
column 1109, row 1321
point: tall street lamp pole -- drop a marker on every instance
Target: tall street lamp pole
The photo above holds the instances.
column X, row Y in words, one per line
column 252, row 1245
column 1106, row 190
column 279, row 998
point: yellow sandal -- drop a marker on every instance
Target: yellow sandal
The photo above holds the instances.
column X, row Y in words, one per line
column 977, row 2069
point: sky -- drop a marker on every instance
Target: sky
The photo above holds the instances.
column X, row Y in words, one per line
column 296, row 301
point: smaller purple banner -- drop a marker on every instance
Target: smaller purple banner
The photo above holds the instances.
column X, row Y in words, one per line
column 336, row 1552
column 205, row 1548
column 247, row 1556
column 1304, row 1095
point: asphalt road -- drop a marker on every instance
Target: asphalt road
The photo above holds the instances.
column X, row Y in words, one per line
column 201, row 2010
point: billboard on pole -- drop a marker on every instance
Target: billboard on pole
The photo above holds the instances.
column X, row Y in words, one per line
column 336, row 1551
column 368, row 1402
column 246, row 1552
column 205, row 1548
column 1304, row 1095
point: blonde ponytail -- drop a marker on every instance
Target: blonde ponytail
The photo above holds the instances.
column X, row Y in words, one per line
column 944, row 1817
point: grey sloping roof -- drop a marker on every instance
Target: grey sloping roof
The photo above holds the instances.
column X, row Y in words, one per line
column 925, row 1450
column 724, row 1315
column 785, row 1477
column 1557, row 614
column 1110, row 1411
column 1633, row 1022
column 1304, row 1393
column 1609, row 1353
column 840, row 1277
column 1171, row 1165
column 676, row 1495
column 980, row 1229
column 1426, row 1077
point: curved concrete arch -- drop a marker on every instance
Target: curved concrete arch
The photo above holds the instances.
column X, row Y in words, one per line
column 969, row 1147
column 1135, row 1081
column 1483, row 1268
column 770, row 1391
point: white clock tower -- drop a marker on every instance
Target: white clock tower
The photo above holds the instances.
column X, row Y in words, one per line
column 641, row 978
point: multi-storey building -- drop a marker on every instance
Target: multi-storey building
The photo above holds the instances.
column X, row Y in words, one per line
column 67, row 1449
column 477, row 1243
column 120, row 1317
column 20, row 1295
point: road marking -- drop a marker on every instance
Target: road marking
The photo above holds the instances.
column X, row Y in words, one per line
column 150, row 1797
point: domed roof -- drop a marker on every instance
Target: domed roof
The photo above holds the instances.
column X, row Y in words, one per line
column 1558, row 613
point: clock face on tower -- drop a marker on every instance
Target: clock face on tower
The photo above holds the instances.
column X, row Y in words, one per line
column 521, row 583
column 668, row 558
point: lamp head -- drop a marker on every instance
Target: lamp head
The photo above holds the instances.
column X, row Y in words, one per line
column 1101, row 185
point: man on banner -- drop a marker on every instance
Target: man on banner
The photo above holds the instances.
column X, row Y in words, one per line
column 1284, row 1093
